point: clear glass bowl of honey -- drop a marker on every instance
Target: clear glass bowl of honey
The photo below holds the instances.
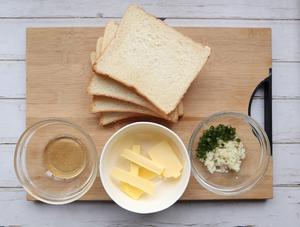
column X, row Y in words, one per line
column 56, row 161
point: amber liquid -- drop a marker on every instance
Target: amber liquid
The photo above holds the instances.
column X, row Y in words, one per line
column 65, row 157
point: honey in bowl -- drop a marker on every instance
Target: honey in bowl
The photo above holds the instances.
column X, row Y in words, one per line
column 65, row 157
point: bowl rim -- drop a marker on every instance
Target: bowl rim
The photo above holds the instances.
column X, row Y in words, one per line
column 88, row 184
column 264, row 166
column 183, row 152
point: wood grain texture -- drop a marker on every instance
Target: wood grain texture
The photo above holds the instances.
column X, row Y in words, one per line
column 286, row 123
column 285, row 33
column 285, row 75
column 58, row 72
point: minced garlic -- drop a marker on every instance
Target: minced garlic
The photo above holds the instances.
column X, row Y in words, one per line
column 226, row 156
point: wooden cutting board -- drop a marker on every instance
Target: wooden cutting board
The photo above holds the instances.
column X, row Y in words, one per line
column 58, row 72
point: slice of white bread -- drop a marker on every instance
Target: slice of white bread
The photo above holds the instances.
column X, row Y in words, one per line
column 154, row 59
column 180, row 109
column 112, row 117
column 104, row 86
column 108, row 88
column 106, row 104
column 109, row 34
column 98, row 48
column 93, row 57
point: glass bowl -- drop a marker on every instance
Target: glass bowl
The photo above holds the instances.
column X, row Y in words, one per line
column 42, row 178
column 253, row 167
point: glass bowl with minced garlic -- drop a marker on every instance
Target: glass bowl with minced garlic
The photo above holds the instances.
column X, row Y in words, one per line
column 229, row 153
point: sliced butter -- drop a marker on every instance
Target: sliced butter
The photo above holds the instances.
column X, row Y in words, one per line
column 133, row 180
column 134, row 168
column 131, row 191
column 136, row 148
column 142, row 161
column 144, row 173
column 163, row 154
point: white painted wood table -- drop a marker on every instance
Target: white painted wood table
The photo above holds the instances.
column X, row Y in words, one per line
column 283, row 16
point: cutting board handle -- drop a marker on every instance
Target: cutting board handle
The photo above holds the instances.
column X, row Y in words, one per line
column 266, row 84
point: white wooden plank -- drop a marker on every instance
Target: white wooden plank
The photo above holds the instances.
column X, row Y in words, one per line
column 286, row 121
column 285, row 158
column 282, row 210
column 7, row 176
column 12, row 120
column 286, row 80
column 13, row 79
column 286, row 168
column 286, row 34
column 180, row 9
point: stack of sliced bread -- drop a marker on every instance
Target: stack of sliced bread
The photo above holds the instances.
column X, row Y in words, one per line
column 142, row 68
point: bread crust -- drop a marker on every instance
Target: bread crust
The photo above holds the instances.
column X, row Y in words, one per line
column 141, row 110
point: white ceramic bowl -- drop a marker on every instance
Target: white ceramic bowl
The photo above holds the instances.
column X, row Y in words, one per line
column 167, row 192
